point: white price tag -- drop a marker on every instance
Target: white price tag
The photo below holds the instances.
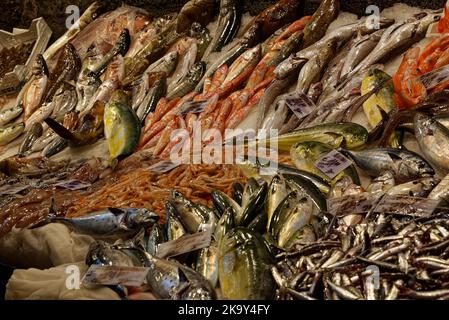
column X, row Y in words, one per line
column 115, row 275
column 187, row 243
column 299, row 103
column 333, row 163
column 359, row 203
column 405, row 205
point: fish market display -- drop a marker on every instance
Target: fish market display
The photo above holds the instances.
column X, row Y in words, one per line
column 149, row 132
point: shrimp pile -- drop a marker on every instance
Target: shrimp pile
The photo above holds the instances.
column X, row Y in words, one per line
column 142, row 188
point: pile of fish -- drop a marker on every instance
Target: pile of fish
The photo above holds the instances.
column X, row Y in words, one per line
column 311, row 230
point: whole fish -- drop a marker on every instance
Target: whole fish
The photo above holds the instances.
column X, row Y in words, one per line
column 227, row 26
column 406, row 165
column 173, row 226
column 9, row 114
column 266, row 107
column 36, row 90
column 305, row 154
column 207, row 263
column 152, row 98
column 418, row 188
column 243, row 271
column 56, row 146
column 67, row 69
column 203, row 38
column 88, row 127
column 276, row 115
column 169, row 279
column 247, row 61
column 65, row 101
column 312, row 70
column 88, row 82
column 326, row 13
column 188, row 82
column 90, row 14
column 348, row 135
column 339, row 35
column 277, row 191
column 30, row 137
column 110, row 223
column 360, row 51
column 47, row 137
column 191, row 216
column 201, row 11
column 10, row 132
column 151, row 52
column 122, row 127
column 292, row 214
column 165, row 64
column 306, row 188
column 120, row 48
column 433, row 139
column 188, row 50
column 156, row 237
column 395, row 37
column 39, row 115
column 441, row 191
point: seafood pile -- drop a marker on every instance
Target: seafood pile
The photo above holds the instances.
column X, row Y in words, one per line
column 360, row 192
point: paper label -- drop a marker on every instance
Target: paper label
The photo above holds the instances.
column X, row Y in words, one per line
column 299, row 103
column 73, row 185
column 12, row 189
column 333, row 163
column 116, row 275
column 359, row 203
column 164, row 166
column 405, row 205
column 187, row 243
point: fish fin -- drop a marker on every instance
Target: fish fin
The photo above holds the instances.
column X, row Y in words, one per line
column 59, row 129
column 182, row 276
column 116, row 211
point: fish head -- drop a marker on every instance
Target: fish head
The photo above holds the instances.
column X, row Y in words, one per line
column 142, row 218
column 178, row 198
column 424, row 20
column 95, row 9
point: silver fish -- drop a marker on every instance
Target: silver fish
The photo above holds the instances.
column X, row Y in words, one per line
column 441, row 191
column 433, row 139
column 340, row 35
column 111, row 223
column 418, row 188
column 277, row 191
column 360, row 51
column 7, row 115
column 30, row 137
column 396, row 36
column 406, row 165
column 10, row 132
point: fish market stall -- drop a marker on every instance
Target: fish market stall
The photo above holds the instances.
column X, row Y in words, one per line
column 287, row 150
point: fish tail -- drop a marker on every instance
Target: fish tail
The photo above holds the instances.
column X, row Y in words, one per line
column 49, row 219
column 59, row 129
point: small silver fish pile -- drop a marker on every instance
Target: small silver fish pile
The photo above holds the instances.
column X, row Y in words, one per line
column 385, row 257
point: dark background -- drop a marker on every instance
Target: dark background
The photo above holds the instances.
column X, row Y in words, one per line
column 19, row 13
